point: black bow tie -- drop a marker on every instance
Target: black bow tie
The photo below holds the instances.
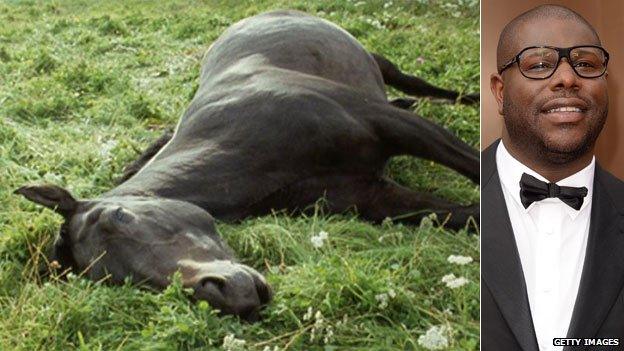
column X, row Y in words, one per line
column 533, row 189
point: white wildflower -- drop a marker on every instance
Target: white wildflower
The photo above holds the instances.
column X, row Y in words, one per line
column 388, row 4
column 323, row 235
column 461, row 281
column 268, row 348
column 420, row 60
column 320, row 328
column 398, row 236
column 458, row 259
column 428, row 221
column 308, row 314
column 329, row 334
column 425, row 223
column 382, row 299
column 375, row 23
column 454, row 282
column 318, row 240
column 343, row 321
column 360, row 3
column 318, row 317
column 106, row 148
column 435, row 338
column 447, row 278
column 386, row 222
column 231, row 343
column 319, row 324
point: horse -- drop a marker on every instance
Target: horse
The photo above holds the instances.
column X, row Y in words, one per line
column 290, row 108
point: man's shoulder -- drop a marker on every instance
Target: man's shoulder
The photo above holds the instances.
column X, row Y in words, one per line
column 490, row 151
column 612, row 185
column 609, row 180
column 488, row 162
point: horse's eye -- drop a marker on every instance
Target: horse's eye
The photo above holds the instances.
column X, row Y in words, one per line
column 122, row 216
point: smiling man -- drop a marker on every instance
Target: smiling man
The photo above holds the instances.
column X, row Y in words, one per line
column 553, row 223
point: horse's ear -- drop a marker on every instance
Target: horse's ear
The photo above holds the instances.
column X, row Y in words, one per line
column 50, row 196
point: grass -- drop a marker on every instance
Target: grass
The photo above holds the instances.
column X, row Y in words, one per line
column 86, row 85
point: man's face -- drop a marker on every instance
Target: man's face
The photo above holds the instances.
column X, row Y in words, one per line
column 535, row 113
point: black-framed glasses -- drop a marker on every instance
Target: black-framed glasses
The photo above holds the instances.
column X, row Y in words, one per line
column 540, row 62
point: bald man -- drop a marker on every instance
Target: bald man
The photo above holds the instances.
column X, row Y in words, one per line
column 553, row 223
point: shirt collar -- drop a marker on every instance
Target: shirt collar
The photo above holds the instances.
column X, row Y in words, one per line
column 510, row 171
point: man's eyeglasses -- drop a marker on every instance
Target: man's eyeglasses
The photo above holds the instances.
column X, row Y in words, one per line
column 540, row 62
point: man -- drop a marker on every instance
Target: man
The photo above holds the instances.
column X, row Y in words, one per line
column 553, row 223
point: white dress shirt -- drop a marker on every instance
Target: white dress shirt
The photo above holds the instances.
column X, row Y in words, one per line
column 552, row 239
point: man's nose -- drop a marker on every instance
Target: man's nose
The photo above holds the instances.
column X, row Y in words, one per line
column 564, row 77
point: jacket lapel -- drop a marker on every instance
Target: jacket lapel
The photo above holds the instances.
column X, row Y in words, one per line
column 603, row 270
column 501, row 268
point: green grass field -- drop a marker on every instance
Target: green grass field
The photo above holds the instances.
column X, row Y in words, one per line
column 86, row 85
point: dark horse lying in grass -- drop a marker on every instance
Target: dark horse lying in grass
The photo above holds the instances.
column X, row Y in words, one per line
column 290, row 108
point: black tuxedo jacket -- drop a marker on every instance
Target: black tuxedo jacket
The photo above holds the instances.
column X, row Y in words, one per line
column 506, row 323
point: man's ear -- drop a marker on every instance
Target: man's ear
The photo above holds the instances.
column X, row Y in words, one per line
column 497, row 85
column 50, row 196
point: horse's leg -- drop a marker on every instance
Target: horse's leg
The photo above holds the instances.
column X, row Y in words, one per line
column 415, row 86
column 150, row 152
column 403, row 133
column 372, row 197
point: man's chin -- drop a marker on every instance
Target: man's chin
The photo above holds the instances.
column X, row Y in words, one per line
column 564, row 150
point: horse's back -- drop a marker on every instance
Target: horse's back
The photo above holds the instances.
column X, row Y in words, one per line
column 299, row 42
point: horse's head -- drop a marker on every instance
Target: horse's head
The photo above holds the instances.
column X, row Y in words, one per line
column 148, row 239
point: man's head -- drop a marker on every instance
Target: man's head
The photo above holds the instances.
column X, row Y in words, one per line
column 555, row 120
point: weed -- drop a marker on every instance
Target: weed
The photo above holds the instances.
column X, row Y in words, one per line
column 87, row 84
